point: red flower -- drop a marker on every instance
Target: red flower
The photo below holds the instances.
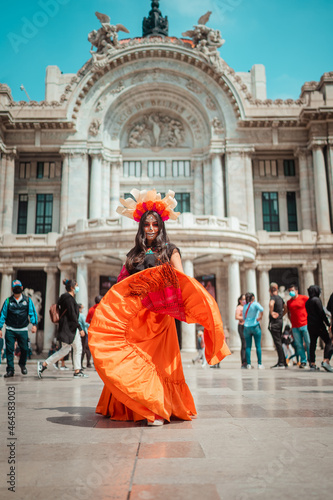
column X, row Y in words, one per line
column 137, row 216
column 165, row 215
column 139, row 209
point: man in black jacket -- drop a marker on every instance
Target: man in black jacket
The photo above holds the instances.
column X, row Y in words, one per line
column 277, row 309
column 17, row 311
column 317, row 322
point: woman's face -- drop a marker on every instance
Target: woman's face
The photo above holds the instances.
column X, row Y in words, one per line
column 150, row 228
column 243, row 300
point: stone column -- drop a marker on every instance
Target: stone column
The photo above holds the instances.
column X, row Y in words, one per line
column 51, row 296
column 308, row 276
column 321, row 194
column 66, row 272
column 217, row 186
column 96, row 186
column 64, row 193
column 249, row 192
column 8, row 194
column 2, row 185
column 31, row 221
column 234, row 292
column 115, row 188
column 207, row 187
column 302, row 155
column 6, row 284
column 82, row 280
column 251, row 278
column 188, row 331
column 198, row 188
column 264, row 297
column 106, row 189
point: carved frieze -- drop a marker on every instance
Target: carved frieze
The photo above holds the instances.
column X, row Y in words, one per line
column 156, row 129
column 94, row 127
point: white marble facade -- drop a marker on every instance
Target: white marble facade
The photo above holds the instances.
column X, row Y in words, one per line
column 161, row 100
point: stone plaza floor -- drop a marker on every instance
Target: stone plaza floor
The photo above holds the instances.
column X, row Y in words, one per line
column 259, row 434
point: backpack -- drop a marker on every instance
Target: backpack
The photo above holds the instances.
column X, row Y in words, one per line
column 55, row 313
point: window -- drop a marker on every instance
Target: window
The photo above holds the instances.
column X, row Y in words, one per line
column 45, row 169
column 156, row 168
column 292, row 212
column 289, row 168
column 22, row 214
column 25, row 170
column 268, row 168
column 184, row 202
column 44, row 213
column 132, row 168
column 270, row 210
column 181, row 168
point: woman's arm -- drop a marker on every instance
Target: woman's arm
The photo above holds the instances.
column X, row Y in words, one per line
column 176, row 261
column 239, row 314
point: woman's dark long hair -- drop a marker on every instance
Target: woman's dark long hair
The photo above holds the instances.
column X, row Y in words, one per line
column 248, row 297
column 159, row 245
column 240, row 299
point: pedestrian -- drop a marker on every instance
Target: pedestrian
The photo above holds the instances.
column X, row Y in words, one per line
column 17, row 311
column 277, row 309
column 69, row 331
column 317, row 323
column 200, row 349
column 133, row 337
column 92, row 309
column 330, row 308
column 299, row 319
column 239, row 318
column 252, row 314
column 85, row 348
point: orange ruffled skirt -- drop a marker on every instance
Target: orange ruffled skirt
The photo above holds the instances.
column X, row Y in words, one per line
column 134, row 344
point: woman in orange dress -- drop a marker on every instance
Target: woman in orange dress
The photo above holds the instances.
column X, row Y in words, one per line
column 133, row 337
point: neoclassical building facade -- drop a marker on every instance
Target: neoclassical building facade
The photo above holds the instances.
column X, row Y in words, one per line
column 253, row 177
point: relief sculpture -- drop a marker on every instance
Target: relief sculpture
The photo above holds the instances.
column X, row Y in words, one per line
column 156, row 130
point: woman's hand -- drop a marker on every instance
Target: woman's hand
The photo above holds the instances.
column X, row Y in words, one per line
column 82, row 333
column 176, row 261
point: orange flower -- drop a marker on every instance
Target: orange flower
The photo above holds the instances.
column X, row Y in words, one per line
column 136, row 216
column 159, row 207
column 150, row 205
column 139, row 209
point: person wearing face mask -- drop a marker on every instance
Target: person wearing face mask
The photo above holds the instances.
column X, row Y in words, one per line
column 299, row 320
column 132, row 335
column 277, row 309
column 239, row 318
column 17, row 311
column 69, row 331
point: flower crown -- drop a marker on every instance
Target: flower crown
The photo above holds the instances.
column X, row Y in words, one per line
column 147, row 201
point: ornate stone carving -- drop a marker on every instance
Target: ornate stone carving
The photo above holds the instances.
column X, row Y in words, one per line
column 217, row 126
column 156, row 130
column 207, row 41
column 94, row 127
column 105, row 40
column 210, row 104
column 193, row 87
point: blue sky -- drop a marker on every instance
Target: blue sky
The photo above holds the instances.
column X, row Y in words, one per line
column 292, row 38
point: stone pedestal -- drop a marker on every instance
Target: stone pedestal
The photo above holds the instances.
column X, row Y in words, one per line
column 50, row 298
column 188, row 331
column 264, row 297
column 234, row 292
